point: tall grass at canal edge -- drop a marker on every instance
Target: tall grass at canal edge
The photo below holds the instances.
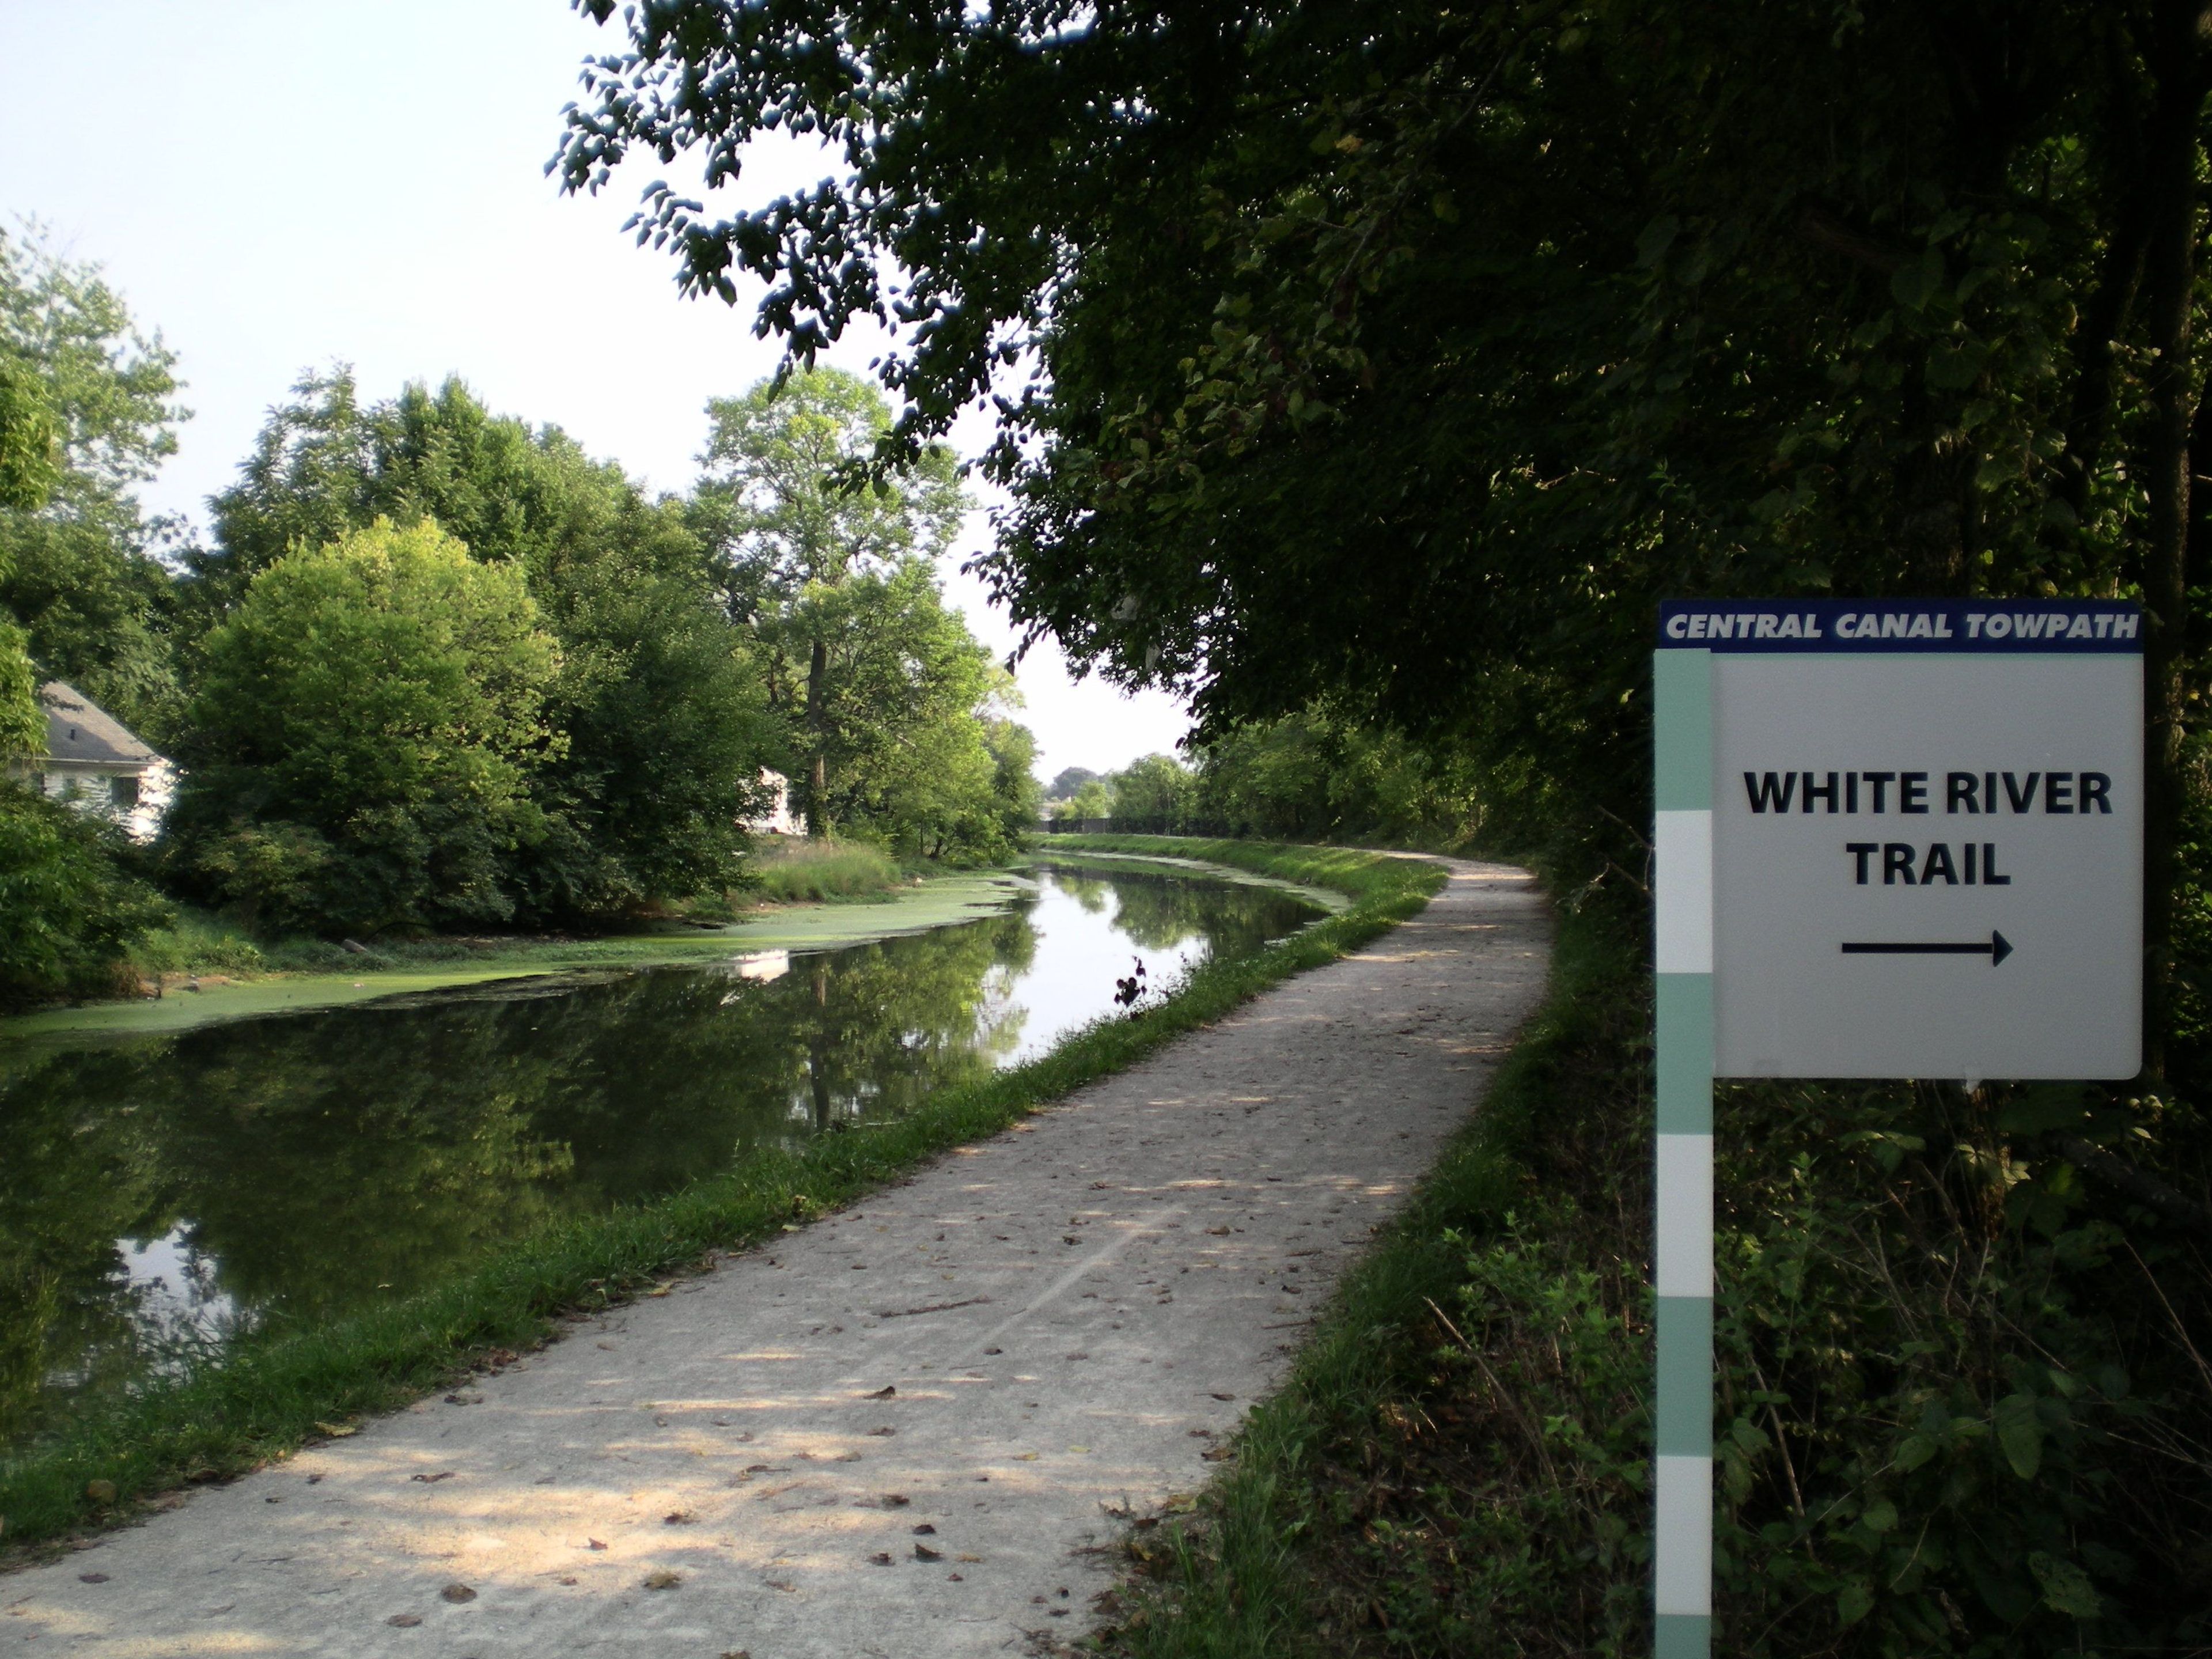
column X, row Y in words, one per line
column 273, row 1393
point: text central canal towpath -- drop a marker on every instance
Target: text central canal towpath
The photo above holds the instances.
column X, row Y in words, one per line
column 900, row 1431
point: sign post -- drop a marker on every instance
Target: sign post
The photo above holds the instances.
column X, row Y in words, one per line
column 1892, row 839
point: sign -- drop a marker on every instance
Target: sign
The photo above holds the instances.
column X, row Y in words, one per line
column 1892, row 839
column 1926, row 837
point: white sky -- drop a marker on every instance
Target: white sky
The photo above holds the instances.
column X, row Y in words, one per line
column 281, row 185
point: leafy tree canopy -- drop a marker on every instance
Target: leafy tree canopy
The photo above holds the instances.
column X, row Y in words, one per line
column 1156, row 792
column 663, row 722
column 783, row 501
column 87, row 413
column 362, row 733
column 808, row 546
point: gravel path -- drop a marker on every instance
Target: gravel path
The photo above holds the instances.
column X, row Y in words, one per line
column 905, row 1431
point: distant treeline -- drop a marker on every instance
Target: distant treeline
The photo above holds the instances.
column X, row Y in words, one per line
column 1317, row 774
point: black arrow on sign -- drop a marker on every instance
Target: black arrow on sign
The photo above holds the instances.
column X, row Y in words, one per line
column 1997, row 950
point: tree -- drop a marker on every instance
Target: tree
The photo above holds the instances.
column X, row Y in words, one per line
column 1156, row 793
column 1321, row 774
column 362, row 736
column 1069, row 779
column 792, row 521
column 1013, row 785
column 897, row 694
column 67, row 914
column 27, row 475
column 1092, row 800
column 85, row 415
column 663, row 722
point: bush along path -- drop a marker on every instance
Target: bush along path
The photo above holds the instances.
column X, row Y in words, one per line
column 910, row 1428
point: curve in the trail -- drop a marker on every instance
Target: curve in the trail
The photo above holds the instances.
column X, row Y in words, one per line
column 904, row 1431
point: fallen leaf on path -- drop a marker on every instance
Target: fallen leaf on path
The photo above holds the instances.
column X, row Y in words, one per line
column 879, row 1559
column 1216, row 1454
column 895, row 1500
column 924, row 1530
column 955, row 1577
column 971, row 1558
column 886, row 1392
column 923, row 1553
column 678, row 1518
column 432, row 1480
column 566, row 1579
column 883, row 1431
column 593, row 1544
column 608, row 1347
column 663, row 1580
column 457, row 1593
column 1025, row 1457
column 92, row 1578
column 406, row 1620
column 995, row 1350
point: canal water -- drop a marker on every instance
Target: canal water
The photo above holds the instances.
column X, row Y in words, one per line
column 160, row 1194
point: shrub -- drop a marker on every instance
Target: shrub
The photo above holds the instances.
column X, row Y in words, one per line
column 68, row 912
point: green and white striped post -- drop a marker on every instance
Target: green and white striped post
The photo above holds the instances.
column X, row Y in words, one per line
column 1682, row 1256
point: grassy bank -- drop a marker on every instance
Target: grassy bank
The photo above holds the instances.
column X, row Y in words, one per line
column 789, row 871
column 392, row 969
column 1959, row 1409
column 783, row 870
column 272, row 1392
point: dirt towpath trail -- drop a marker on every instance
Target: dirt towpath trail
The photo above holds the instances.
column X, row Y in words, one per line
column 901, row 1432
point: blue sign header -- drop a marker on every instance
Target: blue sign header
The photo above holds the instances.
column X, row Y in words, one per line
column 1848, row 627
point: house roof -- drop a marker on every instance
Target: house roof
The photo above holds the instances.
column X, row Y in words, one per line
column 79, row 729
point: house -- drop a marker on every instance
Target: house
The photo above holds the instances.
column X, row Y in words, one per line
column 95, row 763
column 777, row 818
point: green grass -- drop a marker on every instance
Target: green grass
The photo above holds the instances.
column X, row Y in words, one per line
column 794, row 872
column 273, row 1393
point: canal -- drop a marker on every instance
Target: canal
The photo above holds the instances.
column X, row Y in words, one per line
column 162, row 1196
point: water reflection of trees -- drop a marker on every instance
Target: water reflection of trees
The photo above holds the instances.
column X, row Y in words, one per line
column 1161, row 911
column 324, row 1159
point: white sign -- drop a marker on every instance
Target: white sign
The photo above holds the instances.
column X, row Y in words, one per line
column 1927, row 837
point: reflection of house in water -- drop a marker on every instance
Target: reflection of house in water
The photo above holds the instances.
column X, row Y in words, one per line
column 95, row 763
column 764, row 965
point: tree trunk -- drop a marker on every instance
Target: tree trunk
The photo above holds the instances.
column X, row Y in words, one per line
column 2169, row 281
column 818, row 721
